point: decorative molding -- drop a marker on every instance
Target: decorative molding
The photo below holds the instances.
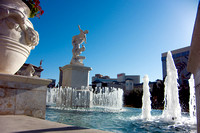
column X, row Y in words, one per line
column 18, row 21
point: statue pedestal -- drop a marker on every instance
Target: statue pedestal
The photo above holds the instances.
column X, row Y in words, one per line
column 22, row 95
column 75, row 76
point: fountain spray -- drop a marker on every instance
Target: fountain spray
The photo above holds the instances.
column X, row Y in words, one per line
column 172, row 109
column 146, row 102
column 192, row 102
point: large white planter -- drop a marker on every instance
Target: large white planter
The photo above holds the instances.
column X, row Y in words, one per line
column 17, row 35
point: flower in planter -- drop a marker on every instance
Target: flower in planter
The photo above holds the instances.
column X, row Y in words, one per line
column 35, row 8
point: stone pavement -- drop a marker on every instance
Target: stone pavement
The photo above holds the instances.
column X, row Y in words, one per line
column 26, row 124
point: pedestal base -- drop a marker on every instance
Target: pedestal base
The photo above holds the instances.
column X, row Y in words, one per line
column 21, row 95
column 75, row 76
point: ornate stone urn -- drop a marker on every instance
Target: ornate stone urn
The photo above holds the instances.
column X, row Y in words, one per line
column 17, row 35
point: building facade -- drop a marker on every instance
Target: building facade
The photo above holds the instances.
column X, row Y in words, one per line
column 180, row 57
column 123, row 81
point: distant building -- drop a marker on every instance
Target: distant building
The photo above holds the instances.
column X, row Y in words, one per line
column 37, row 72
column 123, row 81
column 52, row 84
column 139, row 87
column 180, row 57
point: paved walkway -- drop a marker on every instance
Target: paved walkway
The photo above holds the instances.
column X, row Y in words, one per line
column 26, row 124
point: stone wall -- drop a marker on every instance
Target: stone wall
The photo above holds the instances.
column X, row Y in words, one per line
column 21, row 95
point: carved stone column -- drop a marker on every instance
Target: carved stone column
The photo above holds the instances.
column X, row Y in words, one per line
column 17, row 35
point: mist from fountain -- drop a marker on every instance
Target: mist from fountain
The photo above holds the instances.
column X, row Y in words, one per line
column 192, row 102
column 146, row 102
column 85, row 98
column 69, row 97
column 51, row 96
column 108, row 97
column 172, row 108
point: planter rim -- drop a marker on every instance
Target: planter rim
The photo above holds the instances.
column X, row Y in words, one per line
column 16, row 5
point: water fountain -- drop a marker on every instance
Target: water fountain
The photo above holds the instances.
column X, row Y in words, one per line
column 122, row 119
column 192, row 101
column 85, row 98
column 172, row 109
column 108, row 97
column 69, row 97
column 85, row 107
column 146, row 102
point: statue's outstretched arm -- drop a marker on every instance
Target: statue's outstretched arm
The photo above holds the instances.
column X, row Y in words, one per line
column 80, row 28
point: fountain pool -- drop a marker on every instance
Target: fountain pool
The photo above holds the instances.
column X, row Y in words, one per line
column 105, row 111
column 126, row 120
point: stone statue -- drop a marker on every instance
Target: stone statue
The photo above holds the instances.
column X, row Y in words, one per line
column 76, row 51
column 29, row 71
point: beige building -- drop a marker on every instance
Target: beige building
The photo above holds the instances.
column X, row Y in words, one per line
column 123, row 81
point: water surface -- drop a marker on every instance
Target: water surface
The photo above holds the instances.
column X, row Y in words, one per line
column 126, row 120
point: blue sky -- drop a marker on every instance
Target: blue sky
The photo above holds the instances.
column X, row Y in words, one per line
column 125, row 36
